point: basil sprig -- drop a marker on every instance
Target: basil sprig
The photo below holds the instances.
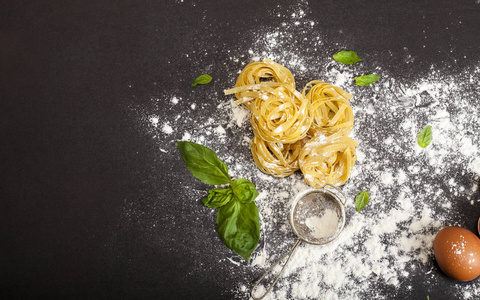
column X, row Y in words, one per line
column 347, row 57
column 202, row 79
column 361, row 200
column 424, row 137
column 366, row 79
column 238, row 222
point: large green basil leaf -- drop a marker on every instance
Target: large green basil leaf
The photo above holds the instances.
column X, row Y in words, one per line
column 244, row 190
column 239, row 226
column 218, row 197
column 204, row 163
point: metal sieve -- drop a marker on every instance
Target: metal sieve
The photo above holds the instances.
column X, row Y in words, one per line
column 317, row 216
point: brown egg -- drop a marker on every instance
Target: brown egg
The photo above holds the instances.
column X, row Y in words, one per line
column 457, row 251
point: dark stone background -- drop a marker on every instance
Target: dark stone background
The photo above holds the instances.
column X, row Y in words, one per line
column 71, row 158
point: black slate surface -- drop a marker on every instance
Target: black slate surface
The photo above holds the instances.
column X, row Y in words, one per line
column 74, row 158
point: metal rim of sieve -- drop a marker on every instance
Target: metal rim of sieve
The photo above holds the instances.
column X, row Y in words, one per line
column 329, row 191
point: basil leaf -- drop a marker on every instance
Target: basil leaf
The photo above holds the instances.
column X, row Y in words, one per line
column 366, row 79
column 244, row 190
column 204, row 163
column 239, row 227
column 424, row 137
column 361, row 200
column 202, row 79
column 218, row 197
column 347, row 57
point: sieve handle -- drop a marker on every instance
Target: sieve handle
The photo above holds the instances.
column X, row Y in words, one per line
column 289, row 254
column 338, row 190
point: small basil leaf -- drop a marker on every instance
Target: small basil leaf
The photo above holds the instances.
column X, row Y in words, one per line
column 347, row 57
column 244, row 190
column 424, row 137
column 366, row 79
column 204, row 163
column 239, row 227
column 218, row 197
column 202, row 79
column 361, row 200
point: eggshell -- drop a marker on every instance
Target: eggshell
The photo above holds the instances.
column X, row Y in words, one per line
column 457, row 251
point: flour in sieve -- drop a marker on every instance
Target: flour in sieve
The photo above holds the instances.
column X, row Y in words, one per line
column 324, row 226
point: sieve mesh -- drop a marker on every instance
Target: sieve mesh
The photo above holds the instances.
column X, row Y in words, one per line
column 317, row 217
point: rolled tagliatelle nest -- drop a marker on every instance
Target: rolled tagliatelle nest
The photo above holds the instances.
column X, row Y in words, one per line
column 276, row 158
column 327, row 160
column 297, row 131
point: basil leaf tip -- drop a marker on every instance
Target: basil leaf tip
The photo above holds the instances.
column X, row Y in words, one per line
column 347, row 57
column 202, row 79
column 366, row 79
column 203, row 163
column 424, row 137
column 361, row 200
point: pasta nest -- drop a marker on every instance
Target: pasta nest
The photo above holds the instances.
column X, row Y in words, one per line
column 282, row 115
column 328, row 160
column 263, row 71
column 276, row 159
column 297, row 131
column 331, row 111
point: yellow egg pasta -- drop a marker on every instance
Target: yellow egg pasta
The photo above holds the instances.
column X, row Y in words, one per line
column 331, row 110
column 276, row 159
column 328, row 160
column 282, row 115
column 263, row 71
column 278, row 112
column 297, row 131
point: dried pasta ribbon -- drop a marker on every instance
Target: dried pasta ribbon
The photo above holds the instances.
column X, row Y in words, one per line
column 282, row 115
column 253, row 91
column 328, row 160
column 266, row 70
column 331, row 110
column 276, row 159
column 293, row 130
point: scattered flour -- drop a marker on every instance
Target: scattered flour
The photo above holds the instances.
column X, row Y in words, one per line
column 382, row 248
column 220, row 130
column 475, row 165
column 167, row 129
column 186, row 136
column 393, row 237
column 154, row 120
column 175, row 100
